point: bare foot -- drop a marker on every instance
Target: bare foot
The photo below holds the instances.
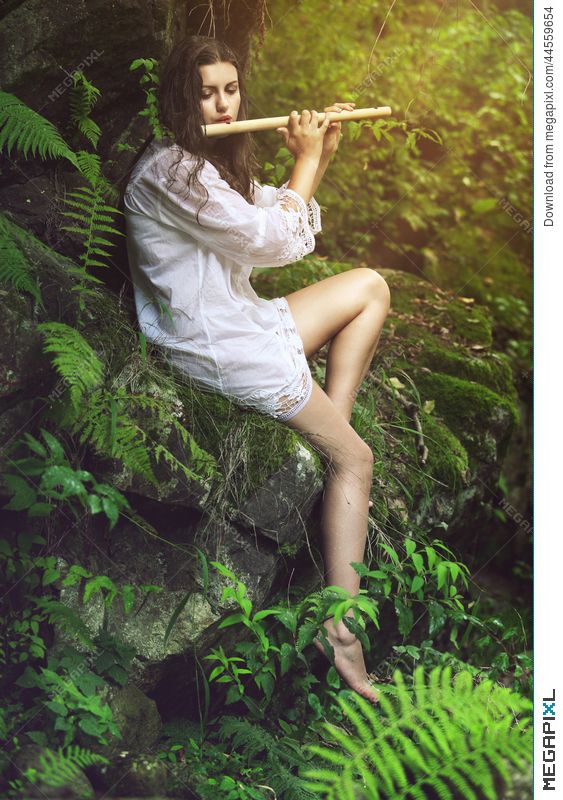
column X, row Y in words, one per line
column 349, row 659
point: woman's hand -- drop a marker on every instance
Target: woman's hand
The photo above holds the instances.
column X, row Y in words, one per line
column 333, row 134
column 304, row 136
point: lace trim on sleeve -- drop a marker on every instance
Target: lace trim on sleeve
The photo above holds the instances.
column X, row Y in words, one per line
column 313, row 212
column 301, row 240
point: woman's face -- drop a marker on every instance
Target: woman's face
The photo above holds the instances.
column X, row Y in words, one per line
column 220, row 95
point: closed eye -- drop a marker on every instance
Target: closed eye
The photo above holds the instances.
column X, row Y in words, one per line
column 229, row 91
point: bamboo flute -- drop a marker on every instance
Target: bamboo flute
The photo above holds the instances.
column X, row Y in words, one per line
column 271, row 123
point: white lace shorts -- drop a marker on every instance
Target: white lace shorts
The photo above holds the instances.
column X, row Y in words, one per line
column 292, row 398
column 284, row 372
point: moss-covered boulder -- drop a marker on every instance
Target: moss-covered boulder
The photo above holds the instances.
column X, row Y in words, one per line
column 436, row 367
column 176, row 597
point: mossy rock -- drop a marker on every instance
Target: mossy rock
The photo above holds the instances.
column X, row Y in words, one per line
column 499, row 279
column 39, row 760
column 448, row 460
column 481, row 418
column 248, row 446
column 423, row 311
column 492, row 370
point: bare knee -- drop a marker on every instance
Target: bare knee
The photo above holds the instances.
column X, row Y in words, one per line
column 357, row 457
column 374, row 286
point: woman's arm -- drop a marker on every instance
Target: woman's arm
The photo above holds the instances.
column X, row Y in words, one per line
column 304, row 178
column 321, row 169
column 226, row 224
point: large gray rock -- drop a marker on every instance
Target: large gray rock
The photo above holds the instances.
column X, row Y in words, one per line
column 278, row 507
column 142, row 560
column 138, row 721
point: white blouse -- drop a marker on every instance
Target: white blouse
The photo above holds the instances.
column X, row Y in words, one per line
column 192, row 290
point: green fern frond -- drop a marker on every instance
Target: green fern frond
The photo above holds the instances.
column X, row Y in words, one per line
column 24, row 129
column 75, row 360
column 204, row 465
column 63, row 617
column 447, row 736
column 113, row 433
column 60, row 767
column 83, row 97
column 90, row 166
column 15, row 269
column 282, row 755
column 96, row 217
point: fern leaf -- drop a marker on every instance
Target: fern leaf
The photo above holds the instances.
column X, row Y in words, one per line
column 320, row 781
column 58, row 768
column 123, row 439
column 440, row 788
column 367, row 715
column 15, row 269
column 89, row 165
column 83, row 96
column 23, row 128
column 75, row 361
column 446, row 736
column 63, row 617
column 457, row 779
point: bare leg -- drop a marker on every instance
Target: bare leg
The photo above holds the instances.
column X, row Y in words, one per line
column 344, row 519
column 349, row 309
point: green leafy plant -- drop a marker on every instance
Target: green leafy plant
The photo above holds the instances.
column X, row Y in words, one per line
column 23, row 128
column 295, row 628
column 427, row 574
column 15, row 269
column 108, row 424
column 91, row 584
column 46, row 478
column 150, row 80
column 280, row 756
column 451, row 737
column 58, row 768
column 212, row 772
column 74, row 697
column 104, row 417
column 74, row 358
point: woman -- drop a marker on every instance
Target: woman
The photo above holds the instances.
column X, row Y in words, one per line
column 197, row 224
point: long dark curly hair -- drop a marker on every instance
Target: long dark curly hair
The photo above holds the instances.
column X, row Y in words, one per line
column 179, row 110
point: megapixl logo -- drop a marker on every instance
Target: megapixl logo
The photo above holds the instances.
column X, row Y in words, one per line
column 548, row 742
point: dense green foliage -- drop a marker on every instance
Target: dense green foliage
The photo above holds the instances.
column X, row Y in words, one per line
column 449, row 737
column 441, row 188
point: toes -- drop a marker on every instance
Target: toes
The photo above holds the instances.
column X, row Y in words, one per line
column 373, row 698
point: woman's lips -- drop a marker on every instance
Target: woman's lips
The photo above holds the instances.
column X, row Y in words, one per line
column 225, row 119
